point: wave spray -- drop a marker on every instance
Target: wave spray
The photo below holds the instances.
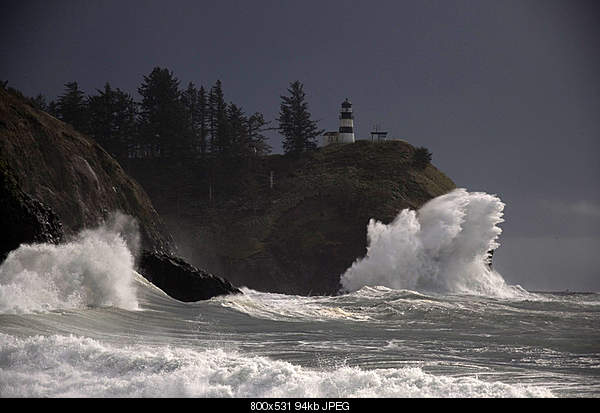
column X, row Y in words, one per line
column 442, row 247
column 95, row 269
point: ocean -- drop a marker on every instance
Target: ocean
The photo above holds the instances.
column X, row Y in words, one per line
column 421, row 315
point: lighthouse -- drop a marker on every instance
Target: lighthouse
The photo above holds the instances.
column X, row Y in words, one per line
column 346, row 133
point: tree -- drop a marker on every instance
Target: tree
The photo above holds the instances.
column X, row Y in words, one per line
column 162, row 115
column 237, row 132
column 421, row 157
column 71, row 107
column 39, row 102
column 256, row 125
column 295, row 124
column 194, row 104
column 196, row 115
column 112, row 120
column 217, row 120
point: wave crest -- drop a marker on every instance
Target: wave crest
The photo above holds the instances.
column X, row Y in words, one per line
column 96, row 268
column 442, row 247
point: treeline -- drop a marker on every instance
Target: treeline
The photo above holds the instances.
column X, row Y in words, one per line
column 168, row 121
column 172, row 123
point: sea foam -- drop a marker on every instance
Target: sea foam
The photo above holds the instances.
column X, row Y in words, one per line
column 68, row 366
column 96, row 268
column 442, row 247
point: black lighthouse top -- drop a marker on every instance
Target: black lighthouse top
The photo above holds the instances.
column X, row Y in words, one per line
column 346, row 104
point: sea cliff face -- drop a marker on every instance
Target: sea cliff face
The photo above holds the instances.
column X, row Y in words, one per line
column 71, row 174
column 55, row 182
column 288, row 225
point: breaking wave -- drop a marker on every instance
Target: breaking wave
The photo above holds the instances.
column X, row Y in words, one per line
column 442, row 247
column 96, row 268
column 68, row 366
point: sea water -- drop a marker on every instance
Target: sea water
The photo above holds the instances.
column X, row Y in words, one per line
column 421, row 315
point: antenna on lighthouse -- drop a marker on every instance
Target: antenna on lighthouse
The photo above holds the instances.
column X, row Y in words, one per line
column 346, row 133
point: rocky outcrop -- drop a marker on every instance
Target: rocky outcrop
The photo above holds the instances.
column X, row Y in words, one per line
column 181, row 280
column 55, row 181
column 24, row 219
column 71, row 174
column 288, row 225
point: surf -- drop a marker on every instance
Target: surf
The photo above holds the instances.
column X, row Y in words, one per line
column 444, row 246
column 94, row 269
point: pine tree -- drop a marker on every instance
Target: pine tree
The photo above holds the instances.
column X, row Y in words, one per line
column 258, row 141
column 237, row 132
column 295, row 124
column 72, row 107
column 39, row 102
column 162, row 116
column 190, row 98
column 217, row 120
column 113, row 120
column 53, row 109
column 202, row 121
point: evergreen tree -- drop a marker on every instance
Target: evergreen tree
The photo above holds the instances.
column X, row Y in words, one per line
column 39, row 102
column 53, row 109
column 257, row 141
column 189, row 99
column 195, row 106
column 72, row 108
column 202, row 121
column 295, row 124
column 237, row 133
column 217, row 120
column 162, row 115
column 113, row 120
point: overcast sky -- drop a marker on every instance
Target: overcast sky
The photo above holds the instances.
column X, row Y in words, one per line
column 505, row 94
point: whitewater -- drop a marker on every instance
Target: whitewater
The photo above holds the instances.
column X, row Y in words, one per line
column 422, row 314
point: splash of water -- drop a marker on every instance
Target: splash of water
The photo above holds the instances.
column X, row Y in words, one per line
column 96, row 268
column 442, row 247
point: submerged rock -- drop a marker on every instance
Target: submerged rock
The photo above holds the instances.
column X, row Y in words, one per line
column 181, row 280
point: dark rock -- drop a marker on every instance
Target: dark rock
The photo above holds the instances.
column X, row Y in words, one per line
column 71, row 174
column 181, row 280
column 24, row 219
column 56, row 181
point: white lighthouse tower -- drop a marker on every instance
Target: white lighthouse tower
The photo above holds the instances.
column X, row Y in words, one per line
column 346, row 133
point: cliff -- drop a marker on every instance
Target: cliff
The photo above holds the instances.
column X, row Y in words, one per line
column 288, row 225
column 55, row 181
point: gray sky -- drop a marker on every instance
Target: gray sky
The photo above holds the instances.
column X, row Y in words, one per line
column 505, row 94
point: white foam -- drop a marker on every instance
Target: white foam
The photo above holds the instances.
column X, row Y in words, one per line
column 443, row 247
column 283, row 307
column 94, row 269
column 68, row 366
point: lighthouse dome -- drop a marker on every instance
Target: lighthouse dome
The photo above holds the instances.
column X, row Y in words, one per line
column 346, row 104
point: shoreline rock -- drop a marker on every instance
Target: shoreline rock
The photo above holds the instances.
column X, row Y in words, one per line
column 181, row 280
column 55, row 181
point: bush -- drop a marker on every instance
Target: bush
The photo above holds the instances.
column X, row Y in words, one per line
column 421, row 157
